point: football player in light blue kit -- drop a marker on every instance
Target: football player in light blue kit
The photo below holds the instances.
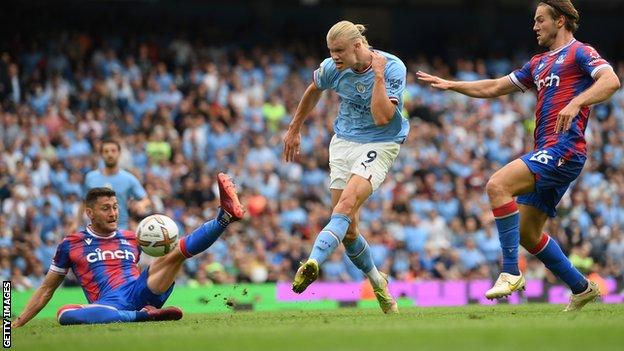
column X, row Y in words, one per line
column 125, row 185
column 368, row 132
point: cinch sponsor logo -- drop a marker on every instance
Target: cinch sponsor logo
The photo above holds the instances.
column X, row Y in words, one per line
column 105, row 255
column 549, row 81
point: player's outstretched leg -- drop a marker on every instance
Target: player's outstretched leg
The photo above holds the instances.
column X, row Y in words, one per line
column 359, row 253
column 326, row 242
column 101, row 314
column 231, row 210
column 583, row 291
column 358, row 189
column 163, row 270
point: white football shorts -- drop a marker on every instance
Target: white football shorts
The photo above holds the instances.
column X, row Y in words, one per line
column 371, row 161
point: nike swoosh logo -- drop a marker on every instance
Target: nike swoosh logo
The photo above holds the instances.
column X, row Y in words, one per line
column 514, row 286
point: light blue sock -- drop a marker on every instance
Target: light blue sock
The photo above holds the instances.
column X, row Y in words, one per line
column 359, row 253
column 330, row 237
column 204, row 236
column 100, row 314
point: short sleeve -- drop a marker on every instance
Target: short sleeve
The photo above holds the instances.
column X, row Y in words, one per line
column 396, row 74
column 88, row 183
column 522, row 78
column 61, row 261
column 325, row 74
column 138, row 192
column 589, row 61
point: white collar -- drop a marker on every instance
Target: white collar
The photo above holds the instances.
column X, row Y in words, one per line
column 555, row 51
column 92, row 233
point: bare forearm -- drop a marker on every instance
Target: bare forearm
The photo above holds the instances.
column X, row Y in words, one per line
column 308, row 102
column 478, row 89
column 37, row 302
column 382, row 108
column 600, row 91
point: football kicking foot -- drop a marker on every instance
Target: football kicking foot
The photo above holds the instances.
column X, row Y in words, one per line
column 577, row 301
column 505, row 285
column 234, row 210
column 387, row 303
column 162, row 314
column 306, row 275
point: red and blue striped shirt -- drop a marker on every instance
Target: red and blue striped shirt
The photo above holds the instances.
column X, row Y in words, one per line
column 559, row 76
column 101, row 264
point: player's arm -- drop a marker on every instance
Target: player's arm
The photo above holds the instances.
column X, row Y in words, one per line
column 485, row 88
column 141, row 206
column 40, row 298
column 292, row 140
column 605, row 85
column 382, row 108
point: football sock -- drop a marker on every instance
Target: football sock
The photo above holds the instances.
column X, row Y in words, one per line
column 99, row 314
column 508, row 224
column 204, row 236
column 359, row 253
column 549, row 252
column 330, row 237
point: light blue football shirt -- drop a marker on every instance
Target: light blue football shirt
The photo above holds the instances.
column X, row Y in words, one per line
column 124, row 184
column 355, row 122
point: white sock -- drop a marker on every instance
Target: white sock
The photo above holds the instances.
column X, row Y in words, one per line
column 375, row 277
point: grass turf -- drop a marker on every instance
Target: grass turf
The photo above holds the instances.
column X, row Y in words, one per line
column 503, row 327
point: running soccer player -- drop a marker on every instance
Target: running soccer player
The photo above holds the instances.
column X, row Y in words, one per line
column 104, row 259
column 368, row 132
column 568, row 79
column 124, row 183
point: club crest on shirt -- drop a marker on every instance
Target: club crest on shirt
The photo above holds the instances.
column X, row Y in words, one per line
column 360, row 88
column 560, row 59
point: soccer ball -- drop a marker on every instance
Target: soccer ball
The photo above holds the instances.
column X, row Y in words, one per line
column 157, row 235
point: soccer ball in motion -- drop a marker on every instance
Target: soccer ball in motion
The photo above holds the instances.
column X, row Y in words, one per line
column 157, row 235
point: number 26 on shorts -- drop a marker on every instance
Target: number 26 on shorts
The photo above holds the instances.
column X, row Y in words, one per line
column 541, row 157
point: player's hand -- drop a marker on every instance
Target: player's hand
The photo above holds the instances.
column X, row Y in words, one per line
column 379, row 63
column 292, row 142
column 140, row 207
column 17, row 323
column 434, row 81
column 565, row 117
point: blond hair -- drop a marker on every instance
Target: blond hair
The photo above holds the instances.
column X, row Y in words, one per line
column 347, row 30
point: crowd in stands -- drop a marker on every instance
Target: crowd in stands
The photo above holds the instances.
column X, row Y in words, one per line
column 184, row 110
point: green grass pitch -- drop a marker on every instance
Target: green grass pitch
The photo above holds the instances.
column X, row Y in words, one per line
column 525, row 327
